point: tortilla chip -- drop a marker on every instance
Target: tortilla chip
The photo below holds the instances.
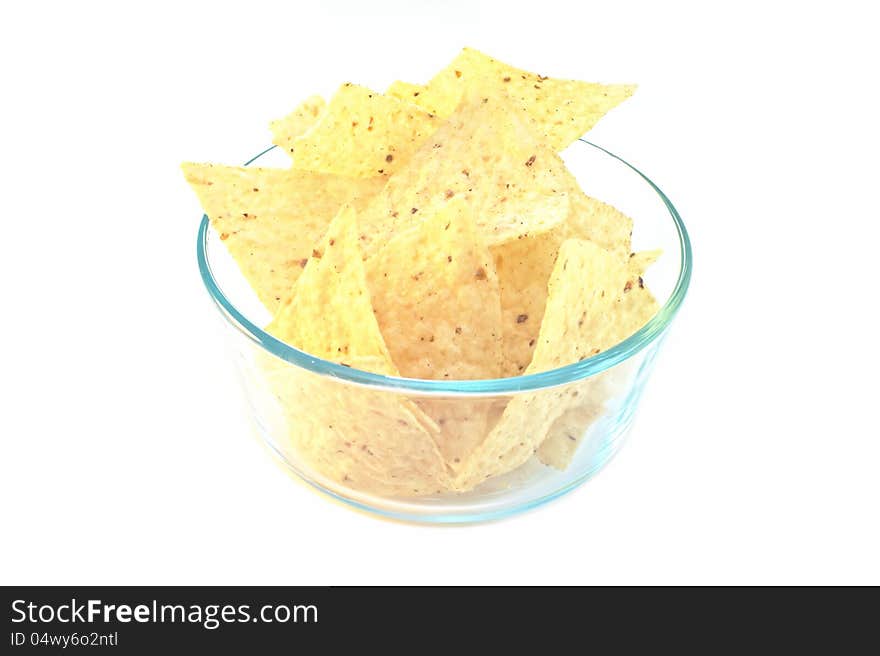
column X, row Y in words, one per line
column 486, row 153
column 639, row 262
column 269, row 219
column 362, row 133
column 514, row 438
column 588, row 310
column 583, row 315
column 364, row 438
column 357, row 437
column 299, row 121
column 436, row 298
column 637, row 304
column 405, row 91
column 560, row 111
column 462, row 424
column 435, row 295
column 567, row 433
column 599, row 222
column 330, row 314
column 524, row 268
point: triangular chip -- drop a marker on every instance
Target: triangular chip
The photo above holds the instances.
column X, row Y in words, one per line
column 485, row 151
column 435, row 295
column 330, row 314
column 462, row 424
column 568, row 431
column 524, row 268
column 639, row 262
column 300, row 120
column 586, row 295
column 372, row 440
column 269, row 219
column 600, row 223
column 637, row 304
column 406, row 91
column 362, row 133
column 560, row 111
column 357, row 437
column 589, row 309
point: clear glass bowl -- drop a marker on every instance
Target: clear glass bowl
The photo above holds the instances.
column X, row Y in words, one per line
column 605, row 388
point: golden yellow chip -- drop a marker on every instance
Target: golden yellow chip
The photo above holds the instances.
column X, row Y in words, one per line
column 560, row 111
column 330, row 314
column 639, row 262
column 582, row 316
column 358, row 437
column 405, row 91
column 592, row 304
column 567, row 432
column 362, row 133
column 269, row 219
column 524, row 268
column 436, row 298
column 514, row 438
column 300, row 120
column 462, row 424
column 369, row 439
column 599, row 222
column 486, row 153
column 637, row 306
column 435, row 294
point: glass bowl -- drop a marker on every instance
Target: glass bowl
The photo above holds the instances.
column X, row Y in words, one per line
column 295, row 398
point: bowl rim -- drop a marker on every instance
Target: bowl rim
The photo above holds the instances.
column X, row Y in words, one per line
column 591, row 366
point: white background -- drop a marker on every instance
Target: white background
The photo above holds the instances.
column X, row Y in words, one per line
column 126, row 454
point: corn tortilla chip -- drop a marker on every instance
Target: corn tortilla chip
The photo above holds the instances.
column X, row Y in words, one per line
column 365, row 438
column 599, row 222
column 486, row 153
column 568, row 431
column 589, row 309
column 436, row 298
column 362, row 133
column 559, row 111
column 514, row 438
column 269, row 219
column 358, row 437
column 299, row 121
column 524, row 268
column 330, row 314
column 435, row 295
column 639, row 262
column 592, row 399
column 405, row 91
column 582, row 317
column 566, row 434
column 462, row 424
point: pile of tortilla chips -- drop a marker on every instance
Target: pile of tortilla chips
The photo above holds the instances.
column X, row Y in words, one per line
column 433, row 232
